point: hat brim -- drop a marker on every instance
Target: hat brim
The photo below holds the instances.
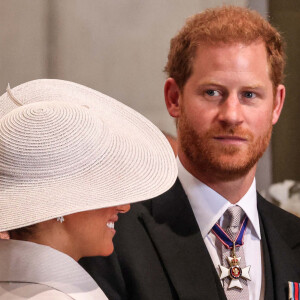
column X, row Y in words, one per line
column 140, row 163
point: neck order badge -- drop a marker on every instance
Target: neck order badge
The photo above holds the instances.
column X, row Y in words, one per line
column 235, row 271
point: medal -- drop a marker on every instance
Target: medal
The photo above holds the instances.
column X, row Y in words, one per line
column 235, row 272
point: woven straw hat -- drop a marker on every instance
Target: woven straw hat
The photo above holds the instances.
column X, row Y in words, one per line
column 69, row 148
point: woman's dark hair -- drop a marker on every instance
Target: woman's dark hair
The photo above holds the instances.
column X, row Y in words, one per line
column 22, row 233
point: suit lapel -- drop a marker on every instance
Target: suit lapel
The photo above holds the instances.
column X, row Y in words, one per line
column 280, row 265
column 176, row 236
column 268, row 273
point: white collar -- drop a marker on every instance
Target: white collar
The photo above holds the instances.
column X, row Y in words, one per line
column 30, row 262
column 209, row 206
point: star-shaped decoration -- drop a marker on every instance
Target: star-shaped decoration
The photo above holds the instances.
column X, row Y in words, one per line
column 235, row 272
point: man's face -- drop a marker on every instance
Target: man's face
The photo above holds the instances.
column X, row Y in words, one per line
column 226, row 110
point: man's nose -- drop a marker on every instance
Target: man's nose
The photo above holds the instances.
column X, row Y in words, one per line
column 230, row 111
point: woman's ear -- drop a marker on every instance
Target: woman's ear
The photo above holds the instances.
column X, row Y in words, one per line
column 4, row 235
column 172, row 97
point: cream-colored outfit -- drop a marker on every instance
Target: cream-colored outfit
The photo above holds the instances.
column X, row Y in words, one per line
column 32, row 271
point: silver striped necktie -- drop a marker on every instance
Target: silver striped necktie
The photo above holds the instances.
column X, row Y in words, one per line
column 233, row 218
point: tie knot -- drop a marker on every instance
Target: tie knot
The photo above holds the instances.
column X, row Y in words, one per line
column 232, row 220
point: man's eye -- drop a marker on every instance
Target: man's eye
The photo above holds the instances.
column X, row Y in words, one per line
column 212, row 93
column 249, row 95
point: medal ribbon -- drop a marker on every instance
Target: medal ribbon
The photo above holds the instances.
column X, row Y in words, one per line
column 224, row 237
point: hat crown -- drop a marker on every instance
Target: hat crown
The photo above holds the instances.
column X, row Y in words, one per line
column 47, row 140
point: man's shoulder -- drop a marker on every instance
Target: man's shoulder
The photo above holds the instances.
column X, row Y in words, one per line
column 276, row 213
column 285, row 223
column 146, row 207
column 163, row 202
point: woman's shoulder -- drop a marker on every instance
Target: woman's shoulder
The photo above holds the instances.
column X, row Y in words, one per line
column 32, row 291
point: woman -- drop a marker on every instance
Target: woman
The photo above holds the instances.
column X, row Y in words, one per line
column 71, row 160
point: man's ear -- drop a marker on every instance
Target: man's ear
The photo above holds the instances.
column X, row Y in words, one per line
column 278, row 103
column 172, row 96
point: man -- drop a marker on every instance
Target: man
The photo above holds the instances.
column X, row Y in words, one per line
column 225, row 91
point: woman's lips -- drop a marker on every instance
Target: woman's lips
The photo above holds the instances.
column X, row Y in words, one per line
column 111, row 222
column 110, row 225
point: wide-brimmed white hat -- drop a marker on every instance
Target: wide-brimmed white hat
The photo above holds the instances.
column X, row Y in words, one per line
column 69, row 148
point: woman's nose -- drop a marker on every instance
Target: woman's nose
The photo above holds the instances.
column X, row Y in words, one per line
column 123, row 208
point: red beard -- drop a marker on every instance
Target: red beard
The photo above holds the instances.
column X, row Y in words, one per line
column 227, row 162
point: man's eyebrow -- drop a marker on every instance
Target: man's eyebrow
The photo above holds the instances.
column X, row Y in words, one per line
column 254, row 86
column 215, row 83
column 210, row 82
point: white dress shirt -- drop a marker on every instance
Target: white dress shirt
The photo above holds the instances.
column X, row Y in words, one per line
column 32, row 271
column 208, row 207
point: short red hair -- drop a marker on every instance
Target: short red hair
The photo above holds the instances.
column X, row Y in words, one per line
column 227, row 25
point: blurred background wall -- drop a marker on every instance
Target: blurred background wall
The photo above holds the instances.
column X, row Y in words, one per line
column 117, row 47
column 286, row 137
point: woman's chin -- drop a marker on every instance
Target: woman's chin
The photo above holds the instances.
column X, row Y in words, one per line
column 106, row 251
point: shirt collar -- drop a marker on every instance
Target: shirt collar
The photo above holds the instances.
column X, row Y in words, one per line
column 209, row 206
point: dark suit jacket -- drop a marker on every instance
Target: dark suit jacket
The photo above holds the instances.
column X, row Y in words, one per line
column 160, row 253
